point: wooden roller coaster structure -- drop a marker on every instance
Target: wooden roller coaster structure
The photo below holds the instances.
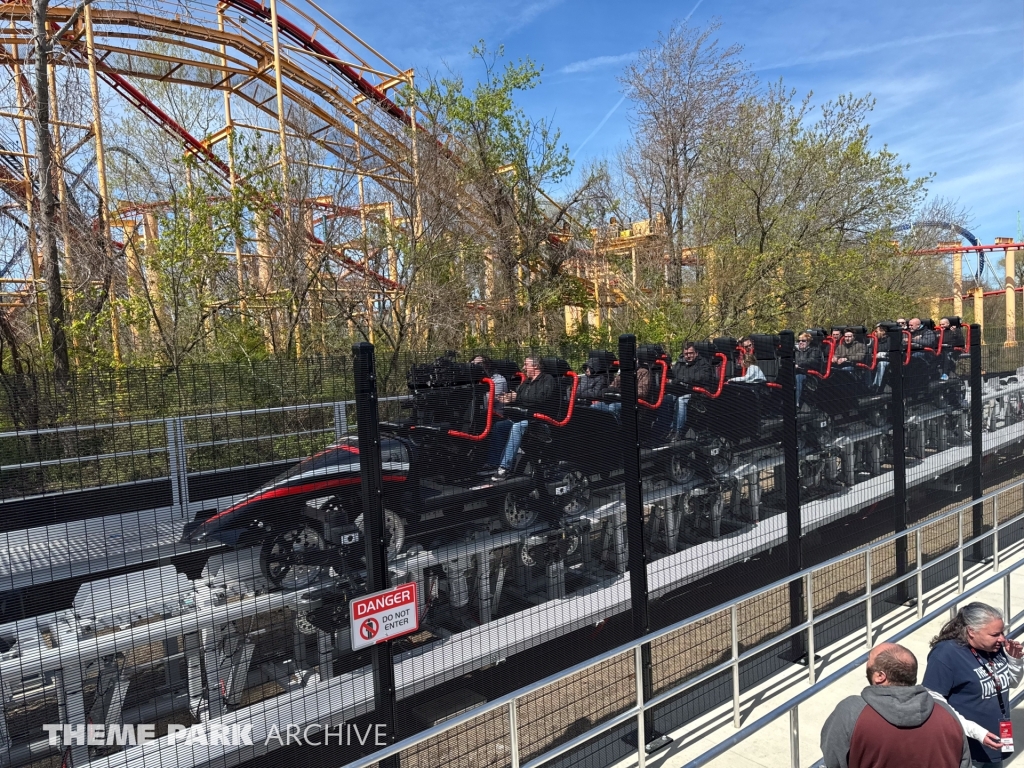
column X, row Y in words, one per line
column 285, row 69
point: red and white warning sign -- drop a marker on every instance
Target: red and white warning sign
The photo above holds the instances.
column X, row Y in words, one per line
column 383, row 615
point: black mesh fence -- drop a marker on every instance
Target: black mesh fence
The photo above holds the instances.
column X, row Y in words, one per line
column 206, row 546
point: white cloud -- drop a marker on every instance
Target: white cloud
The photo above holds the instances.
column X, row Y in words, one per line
column 838, row 54
column 531, row 12
column 585, row 65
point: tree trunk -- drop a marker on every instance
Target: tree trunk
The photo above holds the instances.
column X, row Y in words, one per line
column 48, row 202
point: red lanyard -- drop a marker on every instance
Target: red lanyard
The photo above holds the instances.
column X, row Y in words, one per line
column 990, row 669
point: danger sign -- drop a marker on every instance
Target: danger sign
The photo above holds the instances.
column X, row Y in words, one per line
column 383, row 616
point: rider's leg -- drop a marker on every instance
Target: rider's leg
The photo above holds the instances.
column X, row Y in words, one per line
column 610, row 407
column 880, row 367
column 499, row 438
column 515, row 439
column 679, row 425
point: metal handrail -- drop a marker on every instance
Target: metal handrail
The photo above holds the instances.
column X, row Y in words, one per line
column 254, row 438
column 182, row 419
column 638, row 709
column 851, row 666
column 159, row 449
column 79, row 428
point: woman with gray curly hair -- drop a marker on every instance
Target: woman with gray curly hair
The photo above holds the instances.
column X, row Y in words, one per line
column 973, row 665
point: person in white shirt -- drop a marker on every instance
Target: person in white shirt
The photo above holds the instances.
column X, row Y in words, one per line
column 753, row 375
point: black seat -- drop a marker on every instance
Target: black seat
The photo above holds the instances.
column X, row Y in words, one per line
column 557, row 368
column 601, row 361
column 510, row 370
column 449, row 395
column 727, row 346
column 765, row 350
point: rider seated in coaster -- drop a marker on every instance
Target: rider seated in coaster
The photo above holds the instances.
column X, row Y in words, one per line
column 808, row 357
column 593, row 381
column 952, row 335
column 691, row 370
column 753, row 375
column 882, row 362
column 643, row 390
column 952, row 343
column 849, row 351
column 538, row 394
column 921, row 337
column 500, row 426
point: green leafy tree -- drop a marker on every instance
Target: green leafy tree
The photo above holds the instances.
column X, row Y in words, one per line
column 794, row 224
column 502, row 160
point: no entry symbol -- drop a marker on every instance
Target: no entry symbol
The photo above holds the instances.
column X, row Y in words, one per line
column 369, row 629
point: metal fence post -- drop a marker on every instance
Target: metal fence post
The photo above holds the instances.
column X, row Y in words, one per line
column 791, row 467
column 636, row 541
column 794, row 737
column 869, row 618
column 977, row 428
column 995, row 534
column 1007, row 615
column 920, row 574
column 340, row 421
column 899, row 454
column 513, row 732
column 177, row 464
column 735, row 638
column 368, row 421
column 641, row 669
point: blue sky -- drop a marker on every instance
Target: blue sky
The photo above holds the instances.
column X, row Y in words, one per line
column 948, row 77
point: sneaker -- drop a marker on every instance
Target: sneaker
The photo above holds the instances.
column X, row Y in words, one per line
column 487, row 469
column 500, row 475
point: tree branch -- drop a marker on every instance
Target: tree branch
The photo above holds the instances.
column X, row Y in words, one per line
column 69, row 23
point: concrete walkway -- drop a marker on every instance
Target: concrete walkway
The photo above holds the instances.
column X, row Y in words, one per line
column 770, row 747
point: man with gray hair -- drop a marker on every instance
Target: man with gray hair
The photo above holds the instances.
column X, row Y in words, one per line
column 538, row 394
column 894, row 722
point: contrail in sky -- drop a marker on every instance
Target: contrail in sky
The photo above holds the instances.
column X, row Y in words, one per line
column 600, row 125
column 618, row 104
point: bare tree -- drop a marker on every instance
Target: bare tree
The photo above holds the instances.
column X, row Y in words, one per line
column 47, row 198
column 684, row 89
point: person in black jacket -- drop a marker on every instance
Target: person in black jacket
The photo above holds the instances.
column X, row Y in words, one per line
column 808, row 357
column 952, row 339
column 591, row 383
column 882, row 362
column 951, row 336
column 691, row 370
column 921, row 336
column 538, row 394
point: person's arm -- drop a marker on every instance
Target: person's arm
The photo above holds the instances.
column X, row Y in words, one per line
column 971, row 729
column 705, row 374
column 752, row 376
column 643, row 383
column 1013, row 651
column 838, row 731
